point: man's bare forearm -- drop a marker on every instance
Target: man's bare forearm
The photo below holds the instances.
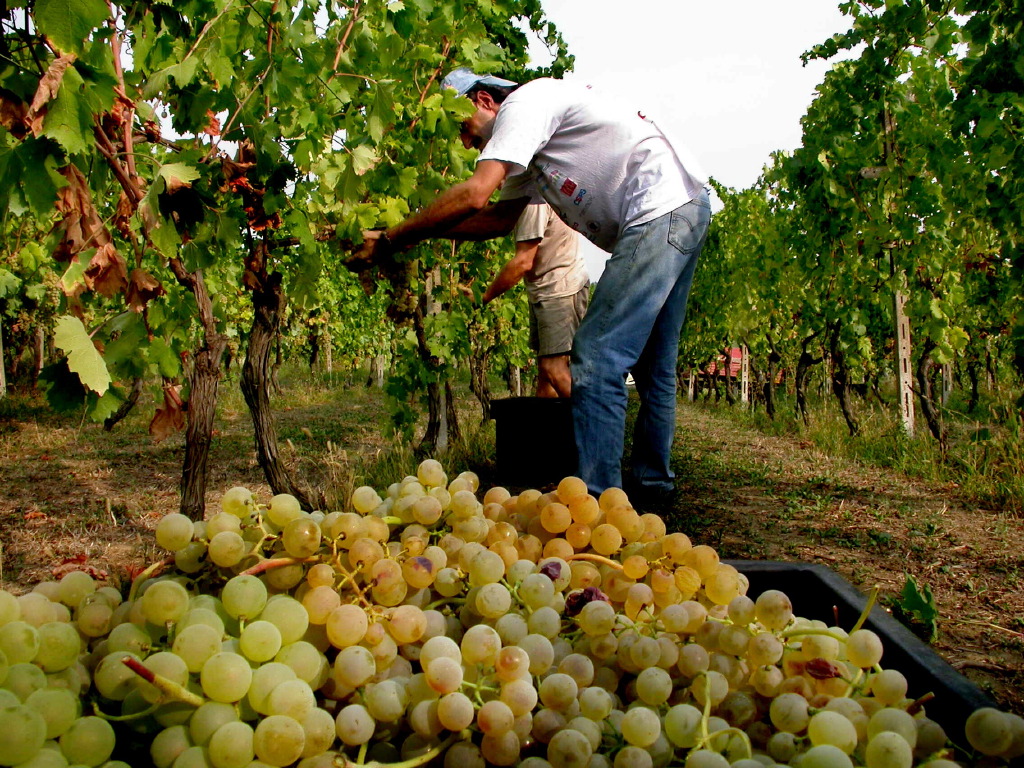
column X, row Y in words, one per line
column 495, row 220
column 451, row 208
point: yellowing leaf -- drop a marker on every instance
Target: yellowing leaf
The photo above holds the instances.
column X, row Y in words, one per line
column 68, row 23
column 83, row 357
column 363, row 159
column 178, row 175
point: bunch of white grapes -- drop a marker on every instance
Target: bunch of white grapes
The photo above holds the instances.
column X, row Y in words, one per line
column 433, row 624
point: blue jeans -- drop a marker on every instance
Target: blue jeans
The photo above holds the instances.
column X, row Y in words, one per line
column 633, row 324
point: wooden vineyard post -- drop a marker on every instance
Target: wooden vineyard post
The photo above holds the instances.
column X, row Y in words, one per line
column 691, row 386
column 903, row 373
column 744, row 375
column 947, row 383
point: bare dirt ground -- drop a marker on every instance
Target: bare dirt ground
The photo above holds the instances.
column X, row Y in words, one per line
column 72, row 495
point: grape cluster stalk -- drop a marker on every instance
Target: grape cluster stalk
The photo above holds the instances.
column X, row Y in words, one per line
column 435, row 625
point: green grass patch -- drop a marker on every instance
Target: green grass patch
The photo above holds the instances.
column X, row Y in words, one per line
column 984, row 460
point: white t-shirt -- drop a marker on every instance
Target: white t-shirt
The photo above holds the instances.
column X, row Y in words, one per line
column 558, row 269
column 600, row 165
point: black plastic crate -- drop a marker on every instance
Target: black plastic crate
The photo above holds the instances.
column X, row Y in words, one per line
column 820, row 593
column 534, row 440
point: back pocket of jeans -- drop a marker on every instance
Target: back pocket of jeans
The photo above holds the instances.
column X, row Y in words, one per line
column 688, row 226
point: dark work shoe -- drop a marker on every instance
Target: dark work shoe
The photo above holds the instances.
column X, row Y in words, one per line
column 648, row 498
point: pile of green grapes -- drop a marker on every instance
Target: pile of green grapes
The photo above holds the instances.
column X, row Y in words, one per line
column 436, row 625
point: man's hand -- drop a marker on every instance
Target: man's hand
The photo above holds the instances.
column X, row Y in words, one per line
column 369, row 253
column 373, row 259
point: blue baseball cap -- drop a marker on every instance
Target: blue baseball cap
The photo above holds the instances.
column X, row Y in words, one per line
column 461, row 80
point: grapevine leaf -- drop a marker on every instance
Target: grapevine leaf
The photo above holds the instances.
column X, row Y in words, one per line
column 69, row 119
column 107, row 405
column 165, row 238
column 177, row 175
column 169, row 417
column 72, row 282
column 165, row 358
column 64, row 390
column 918, row 603
column 83, row 357
column 40, row 184
column 68, row 23
column 363, row 159
column 9, row 283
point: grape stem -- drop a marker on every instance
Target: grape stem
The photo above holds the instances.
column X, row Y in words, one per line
column 150, row 571
column 801, row 632
column 854, row 683
column 167, row 687
column 595, row 559
column 867, row 609
column 918, row 704
column 445, row 601
column 413, row 762
column 706, row 714
column 739, row 732
column 277, row 562
column 124, row 718
column 349, row 578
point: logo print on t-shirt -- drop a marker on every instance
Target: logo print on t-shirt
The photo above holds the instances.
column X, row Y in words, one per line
column 568, row 187
column 579, row 197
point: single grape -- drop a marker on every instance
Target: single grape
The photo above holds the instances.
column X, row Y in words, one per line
column 283, row 509
column 244, row 597
column 225, row 677
column 278, row 740
column 988, row 730
column 89, row 741
column 354, row 725
column 174, row 531
column 237, row 501
column 164, row 602
column 23, row 730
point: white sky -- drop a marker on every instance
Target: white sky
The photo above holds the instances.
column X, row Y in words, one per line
column 725, row 73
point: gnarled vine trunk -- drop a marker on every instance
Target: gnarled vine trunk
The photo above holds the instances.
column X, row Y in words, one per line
column 268, row 304
column 478, row 383
column 204, row 380
column 771, row 375
column 126, row 407
column 926, row 395
column 442, row 420
column 803, row 371
column 841, row 383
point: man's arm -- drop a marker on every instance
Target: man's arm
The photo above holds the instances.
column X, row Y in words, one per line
column 514, row 269
column 493, row 221
column 449, row 209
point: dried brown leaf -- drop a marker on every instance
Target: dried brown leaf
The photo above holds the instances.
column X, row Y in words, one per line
column 170, row 417
column 213, row 126
column 47, row 90
column 107, row 273
column 142, row 289
column 81, row 226
column 13, row 114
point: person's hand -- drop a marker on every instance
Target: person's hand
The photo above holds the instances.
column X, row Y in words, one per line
column 371, row 260
column 367, row 254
